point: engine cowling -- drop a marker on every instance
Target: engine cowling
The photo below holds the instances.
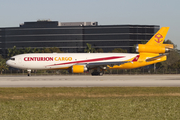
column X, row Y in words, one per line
column 154, row 48
column 78, row 68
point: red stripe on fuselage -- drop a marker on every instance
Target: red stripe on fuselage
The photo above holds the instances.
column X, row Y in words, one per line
column 90, row 60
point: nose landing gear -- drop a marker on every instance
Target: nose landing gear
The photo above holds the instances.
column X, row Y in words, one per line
column 29, row 72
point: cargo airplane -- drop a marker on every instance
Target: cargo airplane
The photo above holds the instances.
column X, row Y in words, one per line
column 153, row 51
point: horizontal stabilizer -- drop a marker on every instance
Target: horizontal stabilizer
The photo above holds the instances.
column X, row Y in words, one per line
column 155, row 58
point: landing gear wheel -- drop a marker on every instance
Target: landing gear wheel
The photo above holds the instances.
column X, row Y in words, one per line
column 29, row 72
column 97, row 73
column 101, row 73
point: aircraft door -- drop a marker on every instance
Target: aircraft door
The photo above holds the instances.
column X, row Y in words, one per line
column 19, row 60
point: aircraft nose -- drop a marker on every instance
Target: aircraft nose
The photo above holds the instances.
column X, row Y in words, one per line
column 8, row 62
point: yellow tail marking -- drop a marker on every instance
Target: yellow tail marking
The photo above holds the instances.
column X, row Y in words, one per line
column 159, row 37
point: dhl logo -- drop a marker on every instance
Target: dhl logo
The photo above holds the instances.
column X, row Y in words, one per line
column 47, row 59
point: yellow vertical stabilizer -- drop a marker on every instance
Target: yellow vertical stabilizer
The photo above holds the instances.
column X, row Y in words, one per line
column 159, row 37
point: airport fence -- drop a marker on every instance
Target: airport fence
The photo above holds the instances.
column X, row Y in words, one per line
column 108, row 72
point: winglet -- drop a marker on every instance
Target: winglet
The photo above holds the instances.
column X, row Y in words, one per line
column 159, row 37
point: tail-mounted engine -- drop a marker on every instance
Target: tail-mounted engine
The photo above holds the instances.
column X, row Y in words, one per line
column 163, row 48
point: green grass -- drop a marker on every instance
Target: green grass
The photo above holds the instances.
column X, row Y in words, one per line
column 111, row 103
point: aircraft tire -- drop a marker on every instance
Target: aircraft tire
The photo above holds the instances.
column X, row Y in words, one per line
column 29, row 74
column 97, row 73
column 101, row 73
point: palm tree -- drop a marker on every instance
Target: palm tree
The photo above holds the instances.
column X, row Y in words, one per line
column 12, row 52
column 119, row 50
column 27, row 50
column 89, row 49
column 3, row 65
column 100, row 50
column 55, row 49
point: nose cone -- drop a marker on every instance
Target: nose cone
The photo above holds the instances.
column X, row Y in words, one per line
column 8, row 63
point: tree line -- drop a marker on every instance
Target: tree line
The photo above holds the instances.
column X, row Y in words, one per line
column 14, row 51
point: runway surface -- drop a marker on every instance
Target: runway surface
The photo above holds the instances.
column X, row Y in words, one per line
column 91, row 81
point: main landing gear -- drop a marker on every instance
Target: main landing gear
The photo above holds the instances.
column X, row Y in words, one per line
column 97, row 72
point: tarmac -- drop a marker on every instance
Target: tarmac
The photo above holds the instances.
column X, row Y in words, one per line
column 171, row 80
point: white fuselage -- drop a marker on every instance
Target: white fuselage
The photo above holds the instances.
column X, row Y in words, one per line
column 37, row 61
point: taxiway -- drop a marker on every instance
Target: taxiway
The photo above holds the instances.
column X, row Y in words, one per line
column 91, row 81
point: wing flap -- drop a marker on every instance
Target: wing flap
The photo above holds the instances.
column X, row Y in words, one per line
column 92, row 65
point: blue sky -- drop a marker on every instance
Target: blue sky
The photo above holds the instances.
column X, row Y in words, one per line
column 105, row 12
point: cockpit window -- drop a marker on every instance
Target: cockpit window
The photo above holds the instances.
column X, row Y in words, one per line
column 12, row 58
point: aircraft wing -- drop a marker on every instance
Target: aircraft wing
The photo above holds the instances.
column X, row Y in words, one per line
column 104, row 64
column 111, row 64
